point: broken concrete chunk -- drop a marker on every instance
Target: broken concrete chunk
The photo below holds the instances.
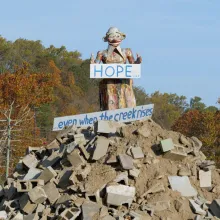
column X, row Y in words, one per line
column 20, row 166
column 63, row 133
column 73, row 179
column 84, row 173
column 112, row 159
column 212, row 167
column 184, row 172
column 71, row 213
column 205, row 179
column 84, row 151
column 31, row 217
column 167, row 145
column 216, row 189
column 18, row 216
column 27, row 185
column 26, row 205
column 196, row 142
column 160, row 206
column 33, row 149
column 105, row 127
column 148, row 208
column 54, row 158
column 103, row 212
column 71, row 135
column 159, row 187
column 46, row 213
column 134, row 173
column 206, row 163
column 79, row 138
column 196, row 208
column 202, row 155
column 209, row 215
column 122, row 177
column 3, row 215
column 183, row 140
column 53, row 145
column 75, row 159
column 126, row 162
column 79, row 201
column 64, row 199
column 40, row 209
column 108, row 217
column 47, row 174
column 52, row 192
column 1, row 191
column 30, row 161
column 101, row 149
column 182, row 185
column 71, row 146
column 10, row 191
column 137, row 152
column 139, row 215
column 201, row 200
column 178, row 153
column 215, row 207
column 205, row 207
column 144, row 131
column 89, row 209
column 120, row 194
column 10, row 206
column 37, row 195
column 199, row 217
column 178, row 205
column 128, row 151
column 64, row 177
column 94, row 197
column 32, row 173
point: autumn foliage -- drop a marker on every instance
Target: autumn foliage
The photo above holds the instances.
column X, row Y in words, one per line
column 21, row 91
column 27, row 88
column 204, row 125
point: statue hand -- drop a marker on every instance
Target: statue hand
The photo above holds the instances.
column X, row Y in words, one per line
column 139, row 59
column 92, row 60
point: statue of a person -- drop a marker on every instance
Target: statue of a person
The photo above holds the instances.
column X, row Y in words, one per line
column 116, row 93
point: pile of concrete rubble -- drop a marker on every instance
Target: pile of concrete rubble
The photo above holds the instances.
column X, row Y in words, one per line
column 135, row 171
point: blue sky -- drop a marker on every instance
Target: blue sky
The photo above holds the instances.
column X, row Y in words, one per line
column 179, row 40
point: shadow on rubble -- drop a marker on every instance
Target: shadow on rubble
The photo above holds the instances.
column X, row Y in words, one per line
column 156, row 149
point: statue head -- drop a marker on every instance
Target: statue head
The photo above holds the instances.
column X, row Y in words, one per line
column 114, row 36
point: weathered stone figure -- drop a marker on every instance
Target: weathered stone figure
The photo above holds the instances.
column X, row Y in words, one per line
column 116, row 93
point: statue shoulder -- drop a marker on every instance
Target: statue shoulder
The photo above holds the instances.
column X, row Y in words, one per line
column 101, row 52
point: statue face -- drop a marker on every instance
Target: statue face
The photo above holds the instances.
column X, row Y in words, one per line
column 114, row 37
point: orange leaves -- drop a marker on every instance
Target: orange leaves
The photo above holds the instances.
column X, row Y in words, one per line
column 28, row 88
column 204, row 125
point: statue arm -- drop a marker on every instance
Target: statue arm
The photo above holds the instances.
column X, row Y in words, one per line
column 131, row 60
column 130, row 57
column 98, row 58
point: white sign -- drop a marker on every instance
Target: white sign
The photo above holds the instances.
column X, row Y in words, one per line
column 121, row 71
column 121, row 115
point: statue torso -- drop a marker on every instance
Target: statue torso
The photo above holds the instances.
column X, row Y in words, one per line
column 114, row 57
